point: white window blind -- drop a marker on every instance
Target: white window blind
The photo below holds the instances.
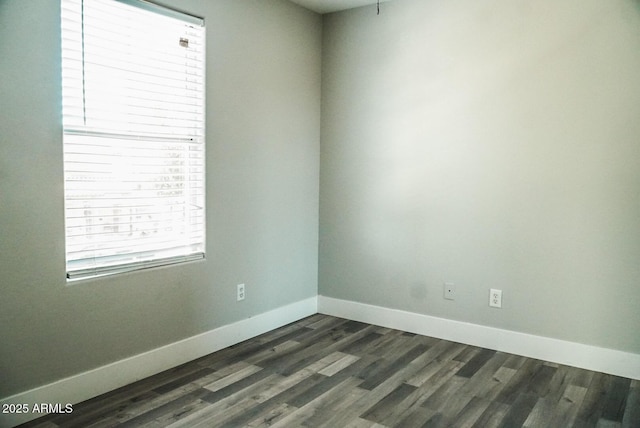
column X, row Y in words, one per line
column 133, row 119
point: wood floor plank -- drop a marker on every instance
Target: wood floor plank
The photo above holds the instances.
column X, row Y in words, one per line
column 580, row 377
column 183, row 380
column 137, row 392
column 239, row 385
column 410, row 404
column 558, row 384
column 306, row 411
column 232, row 378
column 267, row 340
column 483, row 378
column 616, row 399
column 519, row 410
column 257, row 356
column 336, row 406
column 471, row 412
column 541, row 414
column 476, row 363
column 593, row 402
column 605, row 423
column 389, row 345
column 271, row 416
column 83, row 417
column 299, row 392
column 440, row 354
column 447, row 370
column 631, row 416
column 371, row 398
column 426, row 363
column 515, row 362
column 334, row 401
column 519, row 382
column 322, row 344
column 467, row 353
column 227, row 406
column 177, row 399
column 41, row 424
column 323, row 323
column 380, row 411
column 363, row 344
column 325, row 383
column 420, row 416
column 324, row 371
column 499, row 381
column 387, row 370
column 176, row 408
column 538, row 384
column 345, row 361
column 567, row 407
column 492, row 416
column 363, row 423
column 447, row 389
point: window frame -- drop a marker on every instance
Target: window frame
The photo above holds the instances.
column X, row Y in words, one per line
column 98, row 266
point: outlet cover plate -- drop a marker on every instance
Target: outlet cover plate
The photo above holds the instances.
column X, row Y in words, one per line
column 449, row 291
column 495, row 298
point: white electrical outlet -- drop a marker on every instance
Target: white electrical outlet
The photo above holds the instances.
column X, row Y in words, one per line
column 495, row 298
column 449, row 290
column 240, row 290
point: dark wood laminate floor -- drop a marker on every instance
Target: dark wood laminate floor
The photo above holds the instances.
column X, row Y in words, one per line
column 329, row 372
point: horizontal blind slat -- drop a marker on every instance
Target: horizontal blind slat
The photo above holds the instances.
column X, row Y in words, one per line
column 133, row 117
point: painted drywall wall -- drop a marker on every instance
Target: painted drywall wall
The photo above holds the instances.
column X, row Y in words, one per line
column 263, row 124
column 493, row 144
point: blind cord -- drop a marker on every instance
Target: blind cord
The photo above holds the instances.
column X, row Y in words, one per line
column 84, row 90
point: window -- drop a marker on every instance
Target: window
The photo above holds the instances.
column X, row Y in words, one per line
column 133, row 120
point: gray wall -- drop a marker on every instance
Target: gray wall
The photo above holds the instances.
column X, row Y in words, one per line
column 263, row 132
column 491, row 143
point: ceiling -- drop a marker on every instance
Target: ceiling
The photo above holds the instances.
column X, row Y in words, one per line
column 327, row 6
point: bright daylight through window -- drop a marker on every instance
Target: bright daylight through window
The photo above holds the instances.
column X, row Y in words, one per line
column 133, row 119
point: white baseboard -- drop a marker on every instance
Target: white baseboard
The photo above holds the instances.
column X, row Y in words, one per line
column 94, row 382
column 103, row 379
column 588, row 357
